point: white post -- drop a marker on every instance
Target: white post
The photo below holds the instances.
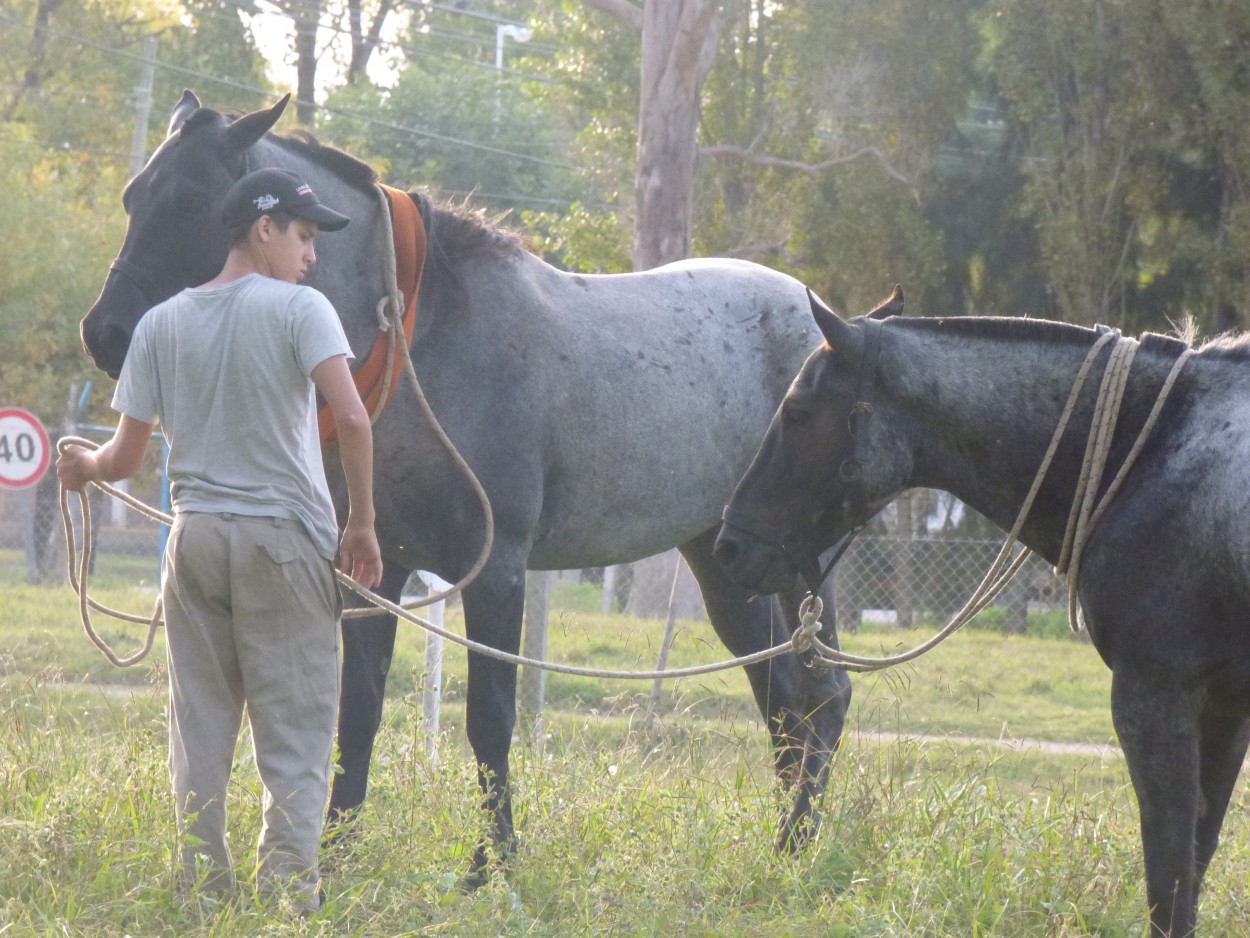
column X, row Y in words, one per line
column 533, row 678
column 608, row 600
column 666, row 645
column 431, row 696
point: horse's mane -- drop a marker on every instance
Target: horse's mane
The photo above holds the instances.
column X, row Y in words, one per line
column 456, row 230
column 353, row 171
column 1063, row 333
column 1230, row 345
column 1004, row 327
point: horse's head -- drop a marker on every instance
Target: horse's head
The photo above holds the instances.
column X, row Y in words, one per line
column 825, row 466
column 174, row 238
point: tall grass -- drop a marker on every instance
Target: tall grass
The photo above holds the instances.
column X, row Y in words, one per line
column 627, row 827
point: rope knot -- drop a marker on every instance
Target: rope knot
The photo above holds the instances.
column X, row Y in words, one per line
column 804, row 640
column 389, row 310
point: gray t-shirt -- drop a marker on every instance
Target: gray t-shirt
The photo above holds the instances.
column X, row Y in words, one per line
column 226, row 372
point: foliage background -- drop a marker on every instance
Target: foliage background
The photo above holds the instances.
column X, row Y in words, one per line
column 1017, row 157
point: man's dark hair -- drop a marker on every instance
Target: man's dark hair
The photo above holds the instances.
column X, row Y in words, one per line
column 238, row 235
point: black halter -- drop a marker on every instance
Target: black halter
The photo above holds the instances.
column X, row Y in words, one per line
column 852, row 468
column 793, row 544
column 139, row 278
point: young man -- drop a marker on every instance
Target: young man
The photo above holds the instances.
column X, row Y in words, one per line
column 228, row 369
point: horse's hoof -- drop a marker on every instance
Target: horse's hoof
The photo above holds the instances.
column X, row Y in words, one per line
column 487, row 860
column 473, row 880
column 796, row 834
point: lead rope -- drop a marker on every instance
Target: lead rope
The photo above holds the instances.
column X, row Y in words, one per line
column 78, row 579
column 1081, row 520
column 79, row 583
column 390, row 318
column 488, row 539
column 805, row 636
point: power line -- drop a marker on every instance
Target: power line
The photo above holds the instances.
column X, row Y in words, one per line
column 427, row 5
column 65, row 147
column 389, row 44
column 342, row 112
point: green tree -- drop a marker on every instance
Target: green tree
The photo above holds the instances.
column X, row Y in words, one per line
column 456, row 123
column 50, row 267
column 70, row 73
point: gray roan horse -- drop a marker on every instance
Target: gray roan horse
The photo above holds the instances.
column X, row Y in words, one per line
column 607, row 418
column 969, row 405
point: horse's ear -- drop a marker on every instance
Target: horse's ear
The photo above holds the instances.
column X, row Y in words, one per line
column 891, row 306
column 251, row 127
column 835, row 331
column 187, row 105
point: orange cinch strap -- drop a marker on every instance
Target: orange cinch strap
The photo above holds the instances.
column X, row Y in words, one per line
column 409, row 234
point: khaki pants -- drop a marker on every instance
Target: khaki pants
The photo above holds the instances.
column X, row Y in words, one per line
column 251, row 619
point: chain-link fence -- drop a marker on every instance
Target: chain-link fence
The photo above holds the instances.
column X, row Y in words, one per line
column 916, row 564
column 909, row 582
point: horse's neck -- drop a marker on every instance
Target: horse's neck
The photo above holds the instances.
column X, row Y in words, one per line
column 352, row 268
column 987, row 409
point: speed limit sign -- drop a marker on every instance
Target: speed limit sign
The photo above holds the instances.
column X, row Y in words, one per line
column 24, row 449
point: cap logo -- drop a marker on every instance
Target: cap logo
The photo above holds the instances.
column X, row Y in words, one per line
column 266, row 202
column 305, row 189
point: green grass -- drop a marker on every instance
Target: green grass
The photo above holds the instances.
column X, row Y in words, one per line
column 627, row 827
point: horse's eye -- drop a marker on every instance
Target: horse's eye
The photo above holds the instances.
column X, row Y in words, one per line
column 795, row 414
column 191, row 204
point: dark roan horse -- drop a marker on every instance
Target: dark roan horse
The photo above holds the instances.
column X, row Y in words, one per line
column 606, row 417
column 969, row 405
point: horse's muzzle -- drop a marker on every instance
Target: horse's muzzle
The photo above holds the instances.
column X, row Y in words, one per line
column 758, row 557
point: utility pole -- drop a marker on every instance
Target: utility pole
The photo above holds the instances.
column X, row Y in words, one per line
column 143, row 107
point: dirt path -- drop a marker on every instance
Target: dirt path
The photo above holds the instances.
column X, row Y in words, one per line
column 1015, row 745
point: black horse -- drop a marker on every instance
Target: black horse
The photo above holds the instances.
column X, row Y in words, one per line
column 607, row 418
column 969, row 406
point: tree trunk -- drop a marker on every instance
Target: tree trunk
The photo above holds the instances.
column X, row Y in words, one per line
column 363, row 45
column 32, row 82
column 307, row 13
column 679, row 39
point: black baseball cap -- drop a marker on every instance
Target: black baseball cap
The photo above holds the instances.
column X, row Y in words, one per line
column 270, row 190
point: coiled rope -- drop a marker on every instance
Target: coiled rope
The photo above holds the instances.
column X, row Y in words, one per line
column 1082, row 518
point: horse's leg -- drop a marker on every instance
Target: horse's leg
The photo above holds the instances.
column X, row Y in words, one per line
column 1222, row 750
column 824, row 698
column 368, row 644
column 494, row 605
column 804, row 708
column 1158, row 730
column 747, row 624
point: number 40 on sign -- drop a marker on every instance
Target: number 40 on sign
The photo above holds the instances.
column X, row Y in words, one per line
column 24, row 449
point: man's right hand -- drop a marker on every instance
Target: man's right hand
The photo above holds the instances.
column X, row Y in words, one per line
column 359, row 555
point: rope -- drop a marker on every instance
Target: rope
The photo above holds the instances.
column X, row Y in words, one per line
column 488, row 539
column 78, row 579
column 79, row 584
column 390, row 310
column 1081, row 519
column 1105, row 416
